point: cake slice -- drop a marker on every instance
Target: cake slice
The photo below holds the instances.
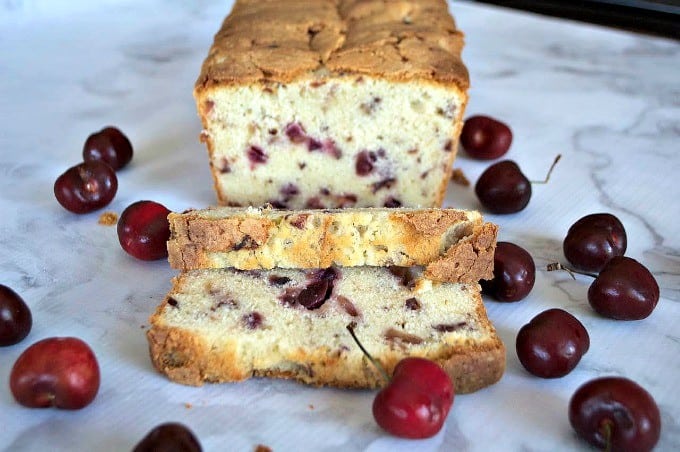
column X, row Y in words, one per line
column 226, row 325
column 454, row 245
column 333, row 103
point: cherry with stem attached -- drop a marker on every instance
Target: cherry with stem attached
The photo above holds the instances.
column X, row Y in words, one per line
column 503, row 188
column 624, row 289
column 416, row 400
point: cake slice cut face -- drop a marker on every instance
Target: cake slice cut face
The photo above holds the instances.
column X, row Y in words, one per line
column 333, row 103
column 226, row 325
column 453, row 245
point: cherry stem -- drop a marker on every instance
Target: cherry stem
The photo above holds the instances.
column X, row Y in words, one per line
column 557, row 266
column 547, row 176
column 606, row 430
column 375, row 363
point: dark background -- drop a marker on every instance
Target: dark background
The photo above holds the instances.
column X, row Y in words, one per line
column 658, row 17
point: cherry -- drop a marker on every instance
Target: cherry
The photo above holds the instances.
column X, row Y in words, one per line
column 143, row 230
column 552, row 343
column 86, row 187
column 514, row 273
column 593, row 240
column 169, row 437
column 109, row 145
column 503, row 188
column 615, row 413
column 60, row 371
column 624, row 290
column 485, row 138
column 416, row 400
column 15, row 317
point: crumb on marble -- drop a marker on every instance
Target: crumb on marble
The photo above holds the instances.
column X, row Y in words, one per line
column 311, row 407
column 262, row 448
column 458, row 177
column 188, row 406
column 108, row 218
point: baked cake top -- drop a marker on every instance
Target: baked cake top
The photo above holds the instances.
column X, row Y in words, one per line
column 283, row 40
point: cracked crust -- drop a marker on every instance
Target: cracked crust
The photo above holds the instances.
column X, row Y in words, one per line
column 453, row 245
column 282, row 40
column 196, row 346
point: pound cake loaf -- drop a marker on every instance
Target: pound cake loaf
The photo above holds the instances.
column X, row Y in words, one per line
column 333, row 103
column 226, row 325
column 454, row 245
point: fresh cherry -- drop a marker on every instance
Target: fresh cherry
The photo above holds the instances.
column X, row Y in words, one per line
column 503, row 188
column 169, row 437
column 416, row 400
column 624, row 290
column 86, row 187
column 593, row 240
column 514, row 273
column 143, row 230
column 616, row 414
column 15, row 317
column 59, row 372
column 109, row 145
column 552, row 343
column 485, row 138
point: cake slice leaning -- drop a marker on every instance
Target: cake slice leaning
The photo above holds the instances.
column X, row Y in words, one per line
column 453, row 245
column 226, row 325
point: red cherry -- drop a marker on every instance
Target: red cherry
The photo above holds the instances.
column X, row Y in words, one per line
column 86, row 187
column 109, row 145
column 593, row 240
column 59, row 372
column 552, row 343
column 485, row 138
column 169, row 437
column 624, row 290
column 15, row 317
column 615, row 413
column 416, row 401
column 143, row 230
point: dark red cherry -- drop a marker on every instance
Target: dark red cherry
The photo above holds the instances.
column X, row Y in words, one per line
column 503, row 188
column 624, row 290
column 15, row 317
column 169, row 437
column 86, row 187
column 143, row 230
column 552, row 343
column 615, row 414
column 109, row 145
column 514, row 273
column 485, row 138
column 593, row 240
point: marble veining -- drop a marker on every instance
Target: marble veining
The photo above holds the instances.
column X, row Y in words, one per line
column 607, row 100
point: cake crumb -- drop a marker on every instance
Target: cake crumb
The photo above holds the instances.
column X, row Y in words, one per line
column 262, row 448
column 108, row 218
column 188, row 406
column 311, row 407
column 458, row 177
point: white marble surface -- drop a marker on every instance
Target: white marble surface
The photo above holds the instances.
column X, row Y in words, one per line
column 608, row 101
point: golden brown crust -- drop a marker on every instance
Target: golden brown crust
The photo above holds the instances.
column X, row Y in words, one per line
column 251, row 239
column 469, row 260
column 265, row 41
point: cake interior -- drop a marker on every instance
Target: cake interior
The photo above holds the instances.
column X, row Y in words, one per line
column 331, row 141
column 284, row 320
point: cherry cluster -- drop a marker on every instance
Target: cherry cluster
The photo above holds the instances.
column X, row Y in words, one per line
column 143, row 229
column 612, row 412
